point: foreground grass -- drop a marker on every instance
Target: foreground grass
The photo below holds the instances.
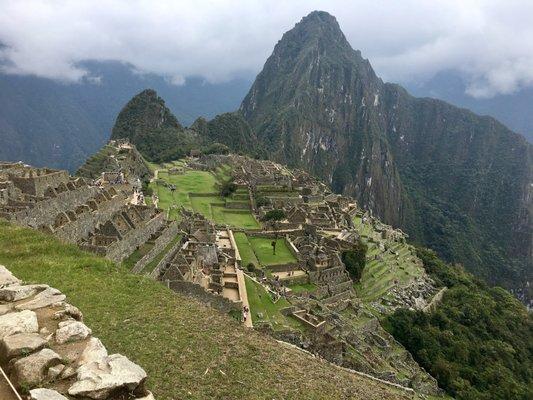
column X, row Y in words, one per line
column 188, row 350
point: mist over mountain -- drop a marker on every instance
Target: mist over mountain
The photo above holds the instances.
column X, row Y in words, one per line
column 513, row 110
column 44, row 122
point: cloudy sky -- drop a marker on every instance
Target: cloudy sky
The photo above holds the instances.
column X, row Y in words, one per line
column 489, row 41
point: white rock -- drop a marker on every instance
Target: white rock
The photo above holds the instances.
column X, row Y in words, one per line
column 69, row 312
column 97, row 380
column 20, row 343
column 47, row 297
column 32, row 370
column 18, row 322
column 6, row 277
column 19, row 292
column 94, row 351
column 5, row 308
column 70, row 331
column 45, row 394
column 68, row 372
column 55, row 371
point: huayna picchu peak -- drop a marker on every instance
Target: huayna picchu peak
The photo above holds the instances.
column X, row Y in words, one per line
column 333, row 237
column 456, row 182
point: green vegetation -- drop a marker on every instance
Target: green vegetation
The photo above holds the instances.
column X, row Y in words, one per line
column 227, row 189
column 302, row 287
column 478, row 343
column 263, row 250
column 245, row 249
column 355, row 260
column 159, row 329
column 232, row 130
column 261, row 304
column 198, row 191
column 274, row 215
column 383, row 270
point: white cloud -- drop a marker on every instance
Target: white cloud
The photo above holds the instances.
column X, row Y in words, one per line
column 490, row 41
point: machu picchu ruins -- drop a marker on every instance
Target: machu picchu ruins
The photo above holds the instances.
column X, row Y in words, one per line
column 269, row 250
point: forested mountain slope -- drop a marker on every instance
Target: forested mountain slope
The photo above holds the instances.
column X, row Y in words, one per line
column 455, row 181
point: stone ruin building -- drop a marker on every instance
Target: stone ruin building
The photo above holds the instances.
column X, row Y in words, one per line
column 98, row 217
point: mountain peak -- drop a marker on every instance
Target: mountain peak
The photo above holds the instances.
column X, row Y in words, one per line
column 145, row 112
column 319, row 17
column 318, row 26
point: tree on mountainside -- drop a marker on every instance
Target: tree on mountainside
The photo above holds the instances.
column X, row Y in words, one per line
column 478, row 343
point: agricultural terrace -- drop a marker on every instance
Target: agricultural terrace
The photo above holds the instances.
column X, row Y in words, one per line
column 265, row 309
column 199, row 191
column 396, row 265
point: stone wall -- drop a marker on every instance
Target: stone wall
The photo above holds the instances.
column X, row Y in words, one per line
column 46, row 349
column 86, row 222
column 44, row 212
column 120, row 250
column 38, row 184
column 199, row 293
column 160, row 243
column 165, row 260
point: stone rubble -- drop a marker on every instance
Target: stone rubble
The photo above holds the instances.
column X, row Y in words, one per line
column 46, row 348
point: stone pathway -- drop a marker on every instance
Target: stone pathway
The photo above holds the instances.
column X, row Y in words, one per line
column 46, row 347
column 244, row 297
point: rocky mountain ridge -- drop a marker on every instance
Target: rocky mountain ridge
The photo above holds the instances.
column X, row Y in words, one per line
column 456, row 182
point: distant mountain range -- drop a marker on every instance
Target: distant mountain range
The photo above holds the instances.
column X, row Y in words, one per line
column 43, row 122
column 514, row 110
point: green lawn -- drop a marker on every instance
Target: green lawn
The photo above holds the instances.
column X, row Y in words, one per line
column 213, row 207
column 245, row 249
column 148, row 268
column 263, row 250
column 261, row 303
column 188, row 350
column 139, row 253
column 303, row 287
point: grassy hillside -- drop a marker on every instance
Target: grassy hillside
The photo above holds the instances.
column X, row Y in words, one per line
column 188, row 350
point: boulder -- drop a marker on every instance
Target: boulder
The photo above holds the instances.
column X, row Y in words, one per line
column 69, row 312
column 19, row 292
column 45, row 394
column 20, row 343
column 93, row 352
column 55, row 371
column 5, row 308
column 6, row 277
column 18, row 322
column 71, row 331
column 33, row 369
column 47, row 297
column 97, row 380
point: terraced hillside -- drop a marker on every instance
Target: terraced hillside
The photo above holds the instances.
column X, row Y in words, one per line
column 178, row 186
column 188, row 350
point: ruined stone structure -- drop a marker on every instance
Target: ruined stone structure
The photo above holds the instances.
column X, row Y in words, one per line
column 99, row 217
column 46, row 349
